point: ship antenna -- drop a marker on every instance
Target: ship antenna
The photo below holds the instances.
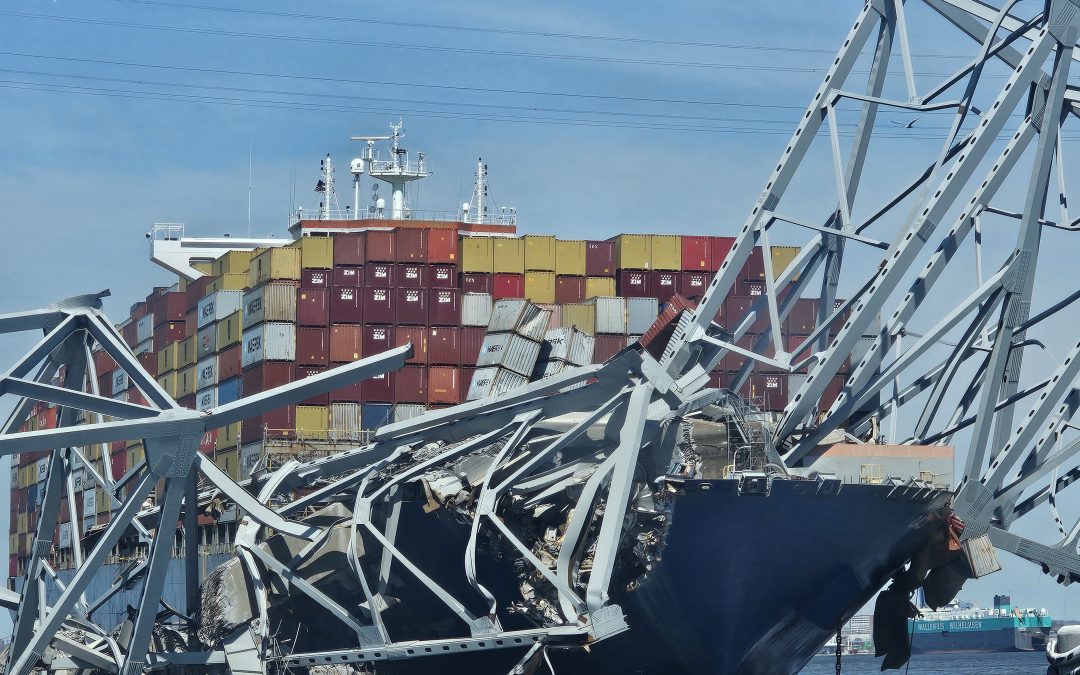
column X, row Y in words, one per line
column 249, row 191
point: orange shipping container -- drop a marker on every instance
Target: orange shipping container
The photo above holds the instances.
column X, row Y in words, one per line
column 345, row 342
column 418, row 336
column 444, row 385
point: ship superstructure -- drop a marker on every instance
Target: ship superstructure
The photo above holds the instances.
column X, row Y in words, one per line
column 958, row 628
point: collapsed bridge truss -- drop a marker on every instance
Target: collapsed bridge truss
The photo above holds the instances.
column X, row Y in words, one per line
column 589, row 436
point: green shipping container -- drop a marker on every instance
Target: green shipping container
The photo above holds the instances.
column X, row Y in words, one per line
column 539, row 253
column 570, row 257
column 476, row 254
column 632, row 251
column 665, row 252
column 508, row 256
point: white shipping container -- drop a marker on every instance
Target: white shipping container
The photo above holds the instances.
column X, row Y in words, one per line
column 557, row 343
column 250, row 457
column 42, row 469
column 581, row 348
column 206, row 372
column 509, row 350
column 407, row 411
column 268, row 342
column 65, row 535
column 89, row 501
column 206, row 399
column 345, row 419
column 519, row 316
column 219, row 305
column 78, row 478
column 476, row 309
column 492, row 381
column 144, row 328
column 610, row 315
column 273, row 301
column 119, row 381
column 144, row 347
column 641, row 313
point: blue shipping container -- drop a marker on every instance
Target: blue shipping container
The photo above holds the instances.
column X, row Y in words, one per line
column 228, row 390
column 374, row 415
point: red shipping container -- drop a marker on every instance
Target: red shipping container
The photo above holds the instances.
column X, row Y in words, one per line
column 410, row 385
column 313, row 306
column 793, row 343
column 718, row 250
column 280, row 423
column 771, row 388
column 738, row 307
column 442, row 246
column 148, row 361
column 695, row 254
column 750, row 288
column 196, row 290
column 130, row 335
column 410, row 245
column 412, row 306
column 569, row 289
column 467, row 373
column 633, row 284
column 103, row 363
column 380, row 246
column 607, row 346
column 663, row 284
column 187, row 402
column 471, row 338
column 600, row 258
column 379, row 275
column 508, row 286
column 346, row 305
column 138, row 310
column 444, row 306
column 443, row 348
column 755, row 266
column 349, row 249
column 308, row 371
column 169, row 307
column 312, row 279
column 266, row 375
column 312, row 346
column 135, row 396
column 442, row 276
column 803, row 316
column 410, row 276
column 191, row 323
column 229, row 363
column 832, row 391
column 345, row 343
column 376, row 339
column 170, row 331
column 476, row 282
column 418, row 336
column 692, row 285
column 444, row 385
column 378, row 389
column 352, row 277
column 207, row 444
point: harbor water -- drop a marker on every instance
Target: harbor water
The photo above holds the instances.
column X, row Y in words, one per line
column 1012, row 663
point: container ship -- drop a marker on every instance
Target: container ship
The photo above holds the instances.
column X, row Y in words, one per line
column 960, row 627
column 245, row 316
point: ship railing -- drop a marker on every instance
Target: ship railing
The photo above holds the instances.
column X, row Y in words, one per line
column 372, row 213
column 167, row 231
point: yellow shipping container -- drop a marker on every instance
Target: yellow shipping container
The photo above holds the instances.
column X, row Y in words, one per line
column 229, row 462
column 539, row 252
column 24, row 522
column 168, row 357
column 665, row 252
column 580, row 315
column 185, row 382
column 205, row 267
column 135, row 455
column 781, row 257
column 274, row 263
column 632, row 251
column 599, row 286
column 228, row 282
column 508, row 256
column 167, row 382
column 181, row 284
column 315, row 252
column 476, row 254
column 570, row 257
column 229, row 329
column 312, row 419
column 232, row 262
column 540, row 287
column 228, row 438
column 104, row 502
column 188, row 352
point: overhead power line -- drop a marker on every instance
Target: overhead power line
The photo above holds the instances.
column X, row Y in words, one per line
column 506, row 31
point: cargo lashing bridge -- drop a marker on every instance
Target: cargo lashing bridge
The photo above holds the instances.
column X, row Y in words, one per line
column 509, row 451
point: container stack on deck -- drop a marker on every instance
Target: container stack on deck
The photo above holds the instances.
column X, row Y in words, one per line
column 262, row 318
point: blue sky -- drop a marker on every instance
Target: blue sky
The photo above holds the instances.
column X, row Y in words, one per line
column 586, row 137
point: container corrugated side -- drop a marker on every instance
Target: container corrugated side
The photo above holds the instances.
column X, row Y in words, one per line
column 540, row 286
column 632, row 251
column 539, row 252
column 570, row 257
column 231, row 262
column 521, row 316
column 781, row 257
column 477, row 254
column 509, row 350
column 508, row 256
column 167, row 357
column 640, row 314
column 581, row 348
column 269, row 342
column 270, row 302
column 275, row 263
column 207, row 343
column 206, row 372
column 581, row 315
column 229, row 330
column 218, row 305
column 665, row 252
column 315, row 252
column 610, row 314
column 407, row 411
column 492, row 381
column 345, row 419
column 557, row 344
column 312, row 419
column 602, row 286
